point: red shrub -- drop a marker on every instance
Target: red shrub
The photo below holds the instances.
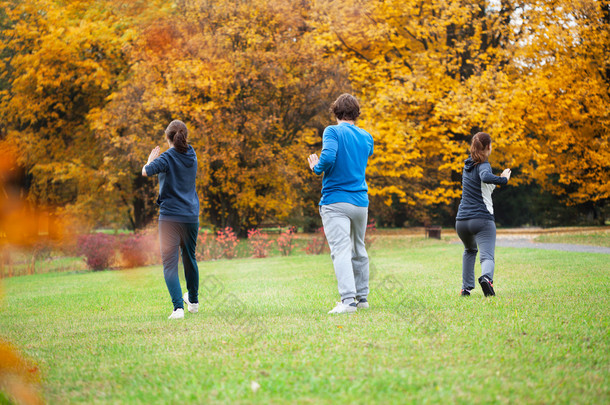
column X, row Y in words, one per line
column 135, row 250
column 371, row 232
column 285, row 242
column 98, row 249
column 150, row 242
column 317, row 244
column 207, row 248
column 227, row 242
column 259, row 243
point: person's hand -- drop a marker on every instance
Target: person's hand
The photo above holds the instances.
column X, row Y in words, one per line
column 313, row 160
column 153, row 154
column 506, row 173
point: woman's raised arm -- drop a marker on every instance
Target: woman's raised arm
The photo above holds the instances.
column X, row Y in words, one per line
column 153, row 155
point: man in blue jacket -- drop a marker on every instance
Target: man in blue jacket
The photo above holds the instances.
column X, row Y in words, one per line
column 344, row 204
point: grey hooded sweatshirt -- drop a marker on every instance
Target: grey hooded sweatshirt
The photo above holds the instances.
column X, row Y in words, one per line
column 178, row 199
column 478, row 182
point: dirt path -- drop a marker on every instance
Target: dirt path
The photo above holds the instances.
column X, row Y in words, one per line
column 528, row 243
column 524, row 238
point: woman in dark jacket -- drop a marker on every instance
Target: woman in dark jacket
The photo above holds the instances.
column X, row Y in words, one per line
column 178, row 214
column 475, row 219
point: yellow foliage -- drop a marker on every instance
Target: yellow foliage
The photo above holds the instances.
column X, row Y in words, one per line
column 88, row 87
column 252, row 87
column 63, row 64
column 431, row 74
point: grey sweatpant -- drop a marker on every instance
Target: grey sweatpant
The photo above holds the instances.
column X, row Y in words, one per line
column 345, row 226
column 482, row 233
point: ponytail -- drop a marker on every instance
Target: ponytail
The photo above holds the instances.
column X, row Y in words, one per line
column 177, row 133
column 480, row 143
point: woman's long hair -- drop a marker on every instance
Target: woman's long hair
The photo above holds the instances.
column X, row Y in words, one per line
column 478, row 147
column 177, row 133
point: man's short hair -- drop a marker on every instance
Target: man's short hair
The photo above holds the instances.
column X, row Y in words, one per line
column 346, row 107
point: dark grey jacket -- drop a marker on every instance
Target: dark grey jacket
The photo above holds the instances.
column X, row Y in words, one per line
column 478, row 182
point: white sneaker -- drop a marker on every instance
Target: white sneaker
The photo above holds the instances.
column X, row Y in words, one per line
column 177, row 314
column 193, row 308
column 341, row 308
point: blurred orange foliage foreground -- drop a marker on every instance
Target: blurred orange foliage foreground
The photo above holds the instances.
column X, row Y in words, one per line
column 24, row 225
column 19, row 380
column 21, row 222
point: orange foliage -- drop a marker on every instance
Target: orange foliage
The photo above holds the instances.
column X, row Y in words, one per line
column 62, row 64
column 18, row 224
column 87, row 88
column 252, row 87
column 18, row 378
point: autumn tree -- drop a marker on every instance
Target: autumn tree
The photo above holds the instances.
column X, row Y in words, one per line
column 560, row 99
column 252, row 86
column 60, row 61
column 419, row 68
column 430, row 74
column 87, row 88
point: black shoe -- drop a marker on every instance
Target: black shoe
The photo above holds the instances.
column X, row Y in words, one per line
column 465, row 293
column 362, row 303
column 487, row 286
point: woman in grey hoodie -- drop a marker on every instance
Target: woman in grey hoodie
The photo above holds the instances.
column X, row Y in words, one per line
column 475, row 218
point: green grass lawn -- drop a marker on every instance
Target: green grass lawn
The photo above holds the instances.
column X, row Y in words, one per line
column 104, row 337
column 53, row 264
column 594, row 238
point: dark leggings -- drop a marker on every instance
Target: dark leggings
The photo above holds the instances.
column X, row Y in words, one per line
column 482, row 233
column 176, row 237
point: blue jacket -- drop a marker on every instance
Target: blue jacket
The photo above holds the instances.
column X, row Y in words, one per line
column 178, row 199
column 345, row 152
column 478, row 182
